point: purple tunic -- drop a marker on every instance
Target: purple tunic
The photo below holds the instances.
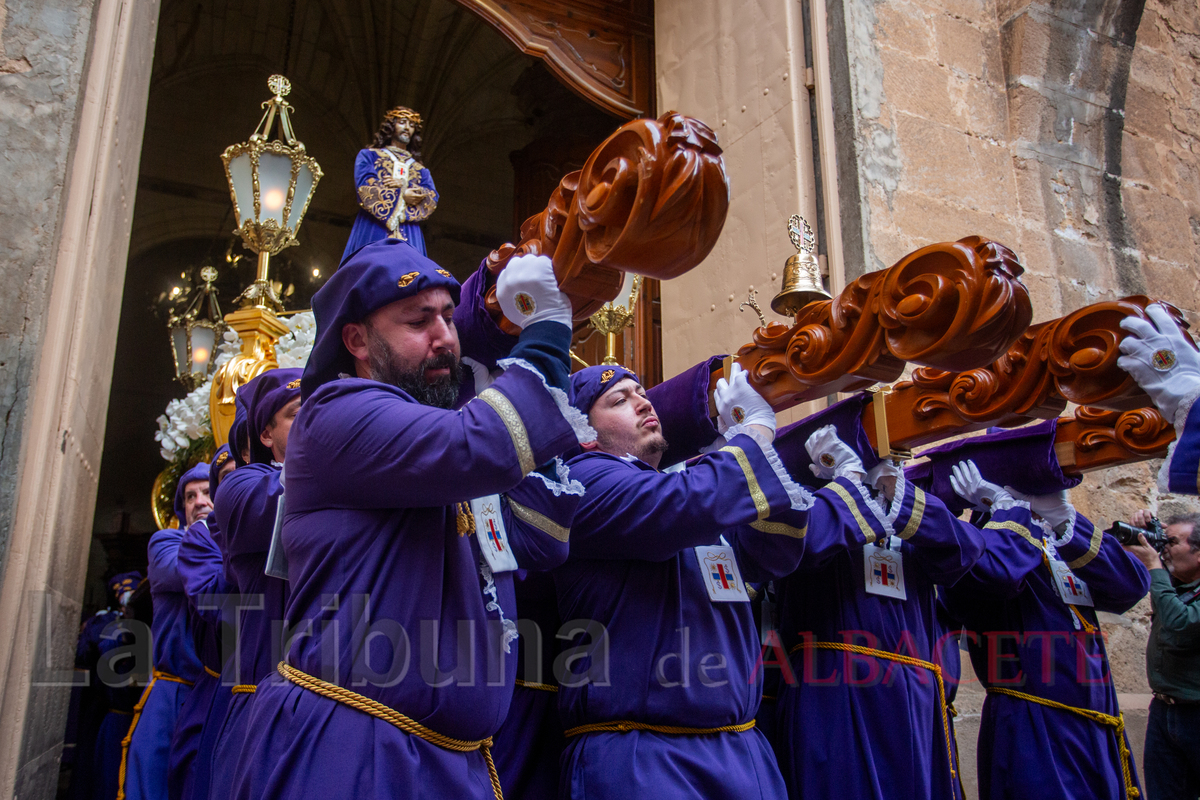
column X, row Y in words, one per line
column 201, row 566
column 890, row 738
column 174, row 655
column 393, row 602
column 530, row 741
column 1022, row 636
column 1180, row 473
column 245, row 510
column 674, row 657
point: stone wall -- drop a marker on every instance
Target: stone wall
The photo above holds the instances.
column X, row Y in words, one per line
column 42, row 49
column 73, row 80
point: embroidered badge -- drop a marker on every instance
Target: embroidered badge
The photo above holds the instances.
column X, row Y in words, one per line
column 738, row 414
column 525, row 303
column 221, row 459
column 443, row 272
column 722, row 578
column 294, row 384
column 407, row 279
column 607, row 375
column 1163, row 360
column 828, row 460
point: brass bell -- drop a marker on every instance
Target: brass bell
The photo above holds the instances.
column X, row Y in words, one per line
column 801, row 273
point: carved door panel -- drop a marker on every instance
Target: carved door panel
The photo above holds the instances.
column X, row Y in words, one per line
column 602, row 50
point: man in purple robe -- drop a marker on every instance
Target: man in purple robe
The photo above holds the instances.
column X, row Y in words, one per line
column 405, row 519
column 862, row 708
column 245, row 508
column 202, row 570
column 659, row 684
column 176, row 666
column 1165, row 363
column 1051, row 726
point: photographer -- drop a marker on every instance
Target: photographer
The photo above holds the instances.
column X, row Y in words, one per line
column 1171, row 764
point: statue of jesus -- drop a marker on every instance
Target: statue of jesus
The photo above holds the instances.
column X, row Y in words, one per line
column 395, row 189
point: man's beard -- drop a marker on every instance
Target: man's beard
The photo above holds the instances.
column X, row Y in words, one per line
column 642, row 450
column 385, row 367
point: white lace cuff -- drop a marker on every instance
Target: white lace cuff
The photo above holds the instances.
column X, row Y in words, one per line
column 565, row 483
column 800, row 498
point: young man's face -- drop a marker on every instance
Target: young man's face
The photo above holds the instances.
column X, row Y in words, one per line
column 625, row 423
column 196, row 503
column 411, row 344
column 275, row 437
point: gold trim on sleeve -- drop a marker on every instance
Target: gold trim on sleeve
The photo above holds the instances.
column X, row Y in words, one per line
column 540, row 521
column 914, row 519
column 1016, row 528
column 756, row 493
column 1085, row 559
column 516, row 428
column 780, row 528
column 850, row 502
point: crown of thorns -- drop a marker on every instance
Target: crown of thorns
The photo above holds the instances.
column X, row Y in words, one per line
column 400, row 112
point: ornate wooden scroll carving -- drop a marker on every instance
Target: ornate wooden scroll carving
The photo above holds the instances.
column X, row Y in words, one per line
column 953, row 306
column 602, row 50
column 651, row 199
column 1096, row 438
column 1068, row 359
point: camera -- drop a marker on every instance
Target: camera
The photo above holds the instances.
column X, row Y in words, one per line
column 1127, row 534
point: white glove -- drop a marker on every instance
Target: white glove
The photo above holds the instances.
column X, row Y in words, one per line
column 832, row 458
column 738, row 403
column 483, row 378
column 1055, row 508
column 528, row 292
column 883, row 477
column 1161, row 358
column 970, row 485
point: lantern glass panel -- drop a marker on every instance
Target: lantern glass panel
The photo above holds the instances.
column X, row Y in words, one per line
column 622, row 299
column 180, row 343
column 242, row 178
column 304, row 187
column 274, row 176
column 203, row 340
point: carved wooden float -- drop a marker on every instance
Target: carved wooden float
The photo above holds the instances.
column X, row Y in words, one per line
column 952, row 306
column 651, row 199
column 1073, row 358
column 959, row 310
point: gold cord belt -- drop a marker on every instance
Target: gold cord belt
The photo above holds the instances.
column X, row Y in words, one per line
column 624, row 726
column 541, row 687
column 909, row 661
column 244, row 688
column 1117, row 724
column 156, row 676
column 391, row 715
column 211, row 672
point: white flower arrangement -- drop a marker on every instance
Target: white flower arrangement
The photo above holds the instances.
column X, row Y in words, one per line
column 185, row 420
column 293, row 347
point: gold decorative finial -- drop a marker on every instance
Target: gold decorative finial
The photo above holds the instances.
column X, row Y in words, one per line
column 801, row 234
column 801, row 274
column 752, row 301
column 279, row 85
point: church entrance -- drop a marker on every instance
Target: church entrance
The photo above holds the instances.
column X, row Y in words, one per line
column 511, row 99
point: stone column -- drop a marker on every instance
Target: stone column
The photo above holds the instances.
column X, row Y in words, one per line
column 74, row 77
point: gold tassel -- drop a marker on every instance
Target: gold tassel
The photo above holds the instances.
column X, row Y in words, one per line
column 466, row 520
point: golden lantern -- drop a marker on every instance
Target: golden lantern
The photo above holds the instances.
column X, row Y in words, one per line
column 196, row 333
column 272, row 183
